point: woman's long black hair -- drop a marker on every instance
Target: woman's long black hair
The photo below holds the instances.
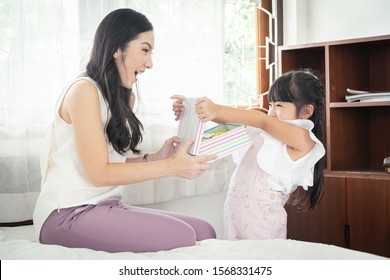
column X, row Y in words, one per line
column 117, row 29
column 302, row 87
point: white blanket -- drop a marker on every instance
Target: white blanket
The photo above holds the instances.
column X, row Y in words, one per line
column 16, row 243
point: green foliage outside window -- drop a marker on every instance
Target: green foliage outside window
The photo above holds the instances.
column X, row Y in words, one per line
column 240, row 52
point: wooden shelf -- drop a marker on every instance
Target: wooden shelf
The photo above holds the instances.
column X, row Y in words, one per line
column 358, row 174
column 357, row 104
column 355, row 209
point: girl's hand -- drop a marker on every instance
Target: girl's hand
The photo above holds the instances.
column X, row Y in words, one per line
column 168, row 149
column 187, row 166
column 177, row 105
column 206, row 109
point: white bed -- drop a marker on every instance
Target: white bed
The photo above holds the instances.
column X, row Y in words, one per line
column 17, row 243
column 203, row 197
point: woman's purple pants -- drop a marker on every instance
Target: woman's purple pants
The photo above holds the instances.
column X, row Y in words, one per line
column 114, row 227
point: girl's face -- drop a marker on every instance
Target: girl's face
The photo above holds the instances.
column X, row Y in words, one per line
column 283, row 110
column 135, row 59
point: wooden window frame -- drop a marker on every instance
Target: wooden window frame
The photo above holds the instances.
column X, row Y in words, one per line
column 262, row 32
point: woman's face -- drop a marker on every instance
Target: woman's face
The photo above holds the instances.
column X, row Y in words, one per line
column 135, row 59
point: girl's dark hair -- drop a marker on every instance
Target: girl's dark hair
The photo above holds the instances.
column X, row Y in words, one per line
column 302, row 87
column 116, row 30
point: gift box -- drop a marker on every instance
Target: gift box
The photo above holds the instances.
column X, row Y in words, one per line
column 221, row 140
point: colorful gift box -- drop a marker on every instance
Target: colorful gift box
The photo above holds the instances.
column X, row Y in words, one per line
column 222, row 139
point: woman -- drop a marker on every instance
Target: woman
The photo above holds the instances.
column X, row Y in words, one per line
column 84, row 162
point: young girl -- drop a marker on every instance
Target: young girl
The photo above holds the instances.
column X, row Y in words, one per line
column 285, row 153
column 84, row 161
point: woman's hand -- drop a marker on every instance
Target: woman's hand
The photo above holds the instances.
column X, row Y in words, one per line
column 187, row 166
column 168, row 149
column 177, row 105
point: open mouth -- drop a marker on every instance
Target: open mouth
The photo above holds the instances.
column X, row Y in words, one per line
column 137, row 73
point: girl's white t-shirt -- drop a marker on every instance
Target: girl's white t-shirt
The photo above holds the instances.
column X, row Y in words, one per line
column 284, row 174
column 64, row 183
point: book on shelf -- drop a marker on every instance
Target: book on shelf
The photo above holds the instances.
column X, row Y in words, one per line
column 221, row 140
column 367, row 96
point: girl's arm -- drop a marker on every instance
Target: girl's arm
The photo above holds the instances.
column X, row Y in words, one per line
column 297, row 139
column 81, row 108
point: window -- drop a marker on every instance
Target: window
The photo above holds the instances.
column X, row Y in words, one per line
column 240, row 52
column 252, row 34
column 45, row 43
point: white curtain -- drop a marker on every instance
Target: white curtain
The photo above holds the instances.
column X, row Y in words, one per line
column 45, row 43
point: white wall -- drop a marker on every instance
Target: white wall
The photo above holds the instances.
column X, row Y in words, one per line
column 310, row 21
column 207, row 207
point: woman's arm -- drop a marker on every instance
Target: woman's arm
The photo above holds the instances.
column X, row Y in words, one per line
column 168, row 149
column 81, row 108
column 177, row 105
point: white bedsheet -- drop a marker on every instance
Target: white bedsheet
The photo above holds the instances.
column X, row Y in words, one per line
column 16, row 243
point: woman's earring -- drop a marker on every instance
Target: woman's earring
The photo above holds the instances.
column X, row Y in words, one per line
column 116, row 54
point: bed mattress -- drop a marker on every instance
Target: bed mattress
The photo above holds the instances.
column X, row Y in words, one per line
column 17, row 243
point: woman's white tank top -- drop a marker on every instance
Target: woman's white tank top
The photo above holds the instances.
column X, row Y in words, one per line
column 64, row 183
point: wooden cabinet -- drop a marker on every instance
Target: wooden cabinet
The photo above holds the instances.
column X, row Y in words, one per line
column 355, row 210
column 367, row 215
column 326, row 223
